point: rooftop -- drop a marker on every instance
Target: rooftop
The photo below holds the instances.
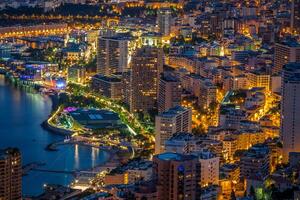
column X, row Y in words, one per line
column 293, row 71
column 136, row 164
column 120, row 37
column 169, row 78
column 229, row 167
column 93, row 115
column 173, row 111
column 174, row 156
column 205, row 154
column 4, row 153
column 257, row 151
column 290, row 43
column 107, row 78
column 182, row 137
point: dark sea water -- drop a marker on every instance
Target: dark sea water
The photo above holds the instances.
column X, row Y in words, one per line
column 21, row 113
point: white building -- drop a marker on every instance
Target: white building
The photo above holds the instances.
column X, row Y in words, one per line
column 114, row 54
column 235, row 83
column 183, row 143
column 259, row 79
column 164, row 16
column 177, row 119
column 290, row 109
column 210, row 165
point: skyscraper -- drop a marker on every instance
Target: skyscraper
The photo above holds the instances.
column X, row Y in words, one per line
column 177, row 176
column 285, row 52
column 295, row 16
column 146, row 66
column 169, row 92
column 10, row 174
column 177, row 119
column 113, row 54
column 164, row 16
column 290, row 109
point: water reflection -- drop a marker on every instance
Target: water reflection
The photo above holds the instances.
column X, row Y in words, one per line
column 76, row 157
column 95, row 154
column 21, row 114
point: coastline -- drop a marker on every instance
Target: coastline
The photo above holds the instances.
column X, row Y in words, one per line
column 54, row 130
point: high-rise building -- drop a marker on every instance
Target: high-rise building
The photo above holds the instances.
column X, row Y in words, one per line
column 169, row 92
column 285, row 52
column 108, row 86
column 177, row 119
column 210, row 165
column 114, row 54
column 177, row 176
column 295, row 16
column 146, row 67
column 164, row 17
column 290, row 109
column 10, row 174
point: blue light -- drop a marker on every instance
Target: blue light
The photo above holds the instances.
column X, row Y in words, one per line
column 180, row 168
column 60, row 83
column 26, row 77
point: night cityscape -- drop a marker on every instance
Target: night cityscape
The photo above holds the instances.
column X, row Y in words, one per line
column 150, row 99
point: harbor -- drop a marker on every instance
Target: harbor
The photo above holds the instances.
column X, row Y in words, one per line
column 29, row 109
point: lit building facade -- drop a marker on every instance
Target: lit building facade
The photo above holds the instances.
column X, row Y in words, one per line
column 257, row 79
column 210, row 165
column 114, row 54
column 284, row 53
column 76, row 74
column 108, row 86
column 177, row 176
column 295, row 16
column 164, row 17
column 169, row 92
column 10, row 174
column 290, row 109
column 177, row 119
column 183, row 143
column 146, row 67
column 207, row 93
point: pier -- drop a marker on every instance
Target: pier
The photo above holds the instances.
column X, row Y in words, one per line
column 55, row 171
column 31, row 166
